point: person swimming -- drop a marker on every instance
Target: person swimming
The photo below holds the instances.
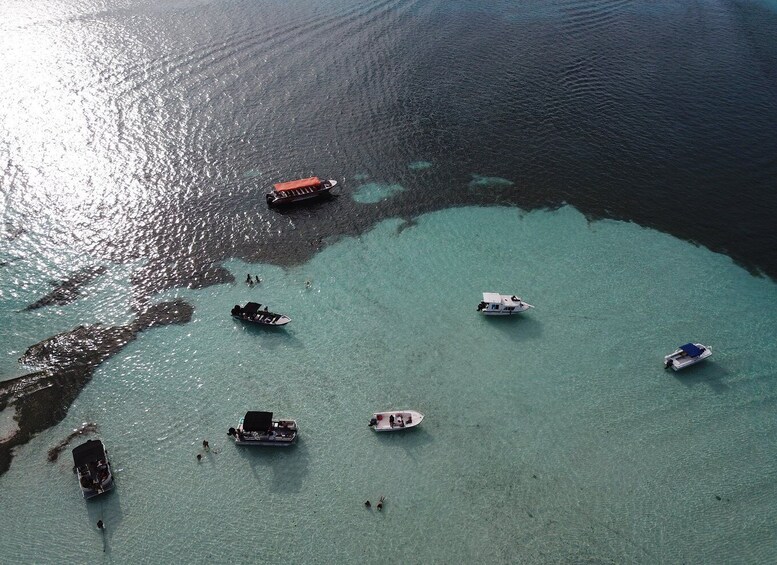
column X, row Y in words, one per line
column 380, row 502
column 367, row 504
column 205, row 445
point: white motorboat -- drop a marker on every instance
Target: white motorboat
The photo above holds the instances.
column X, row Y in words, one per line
column 93, row 468
column 259, row 428
column 495, row 304
column 252, row 312
column 395, row 420
column 686, row 355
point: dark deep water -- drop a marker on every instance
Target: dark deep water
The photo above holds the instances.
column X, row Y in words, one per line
column 151, row 131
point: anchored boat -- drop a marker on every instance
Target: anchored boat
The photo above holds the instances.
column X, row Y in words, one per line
column 259, row 428
column 686, row 355
column 93, row 468
column 298, row 190
column 395, row 420
column 252, row 312
column 495, row 304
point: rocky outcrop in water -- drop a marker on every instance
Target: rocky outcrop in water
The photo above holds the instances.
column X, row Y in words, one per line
column 67, row 362
column 68, row 290
column 87, row 428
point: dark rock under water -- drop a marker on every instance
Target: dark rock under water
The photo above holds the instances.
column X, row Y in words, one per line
column 87, row 428
column 67, row 362
column 68, row 290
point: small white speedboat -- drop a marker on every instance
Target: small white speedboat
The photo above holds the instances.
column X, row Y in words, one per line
column 495, row 304
column 395, row 420
column 93, row 468
column 686, row 355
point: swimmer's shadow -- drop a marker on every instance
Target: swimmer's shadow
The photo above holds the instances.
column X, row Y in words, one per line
column 707, row 373
column 287, row 467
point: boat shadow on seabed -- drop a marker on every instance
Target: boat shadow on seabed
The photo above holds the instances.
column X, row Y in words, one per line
column 287, row 465
column 520, row 327
column 707, row 373
column 107, row 508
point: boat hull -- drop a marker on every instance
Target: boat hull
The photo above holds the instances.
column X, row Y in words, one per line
column 265, row 443
column 282, row 321
column 395, row 420
column 497, row 313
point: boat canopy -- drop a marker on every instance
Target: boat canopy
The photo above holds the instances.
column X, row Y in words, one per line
column 88, row 452
column 492, row 297
column 251, row 308
column 257, row 421
column 691, row 350
column 294, row 184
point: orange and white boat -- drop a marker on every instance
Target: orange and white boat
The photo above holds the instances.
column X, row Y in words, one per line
column 298, row 190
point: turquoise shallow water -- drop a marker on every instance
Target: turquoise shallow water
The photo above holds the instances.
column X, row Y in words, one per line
column 554, row 437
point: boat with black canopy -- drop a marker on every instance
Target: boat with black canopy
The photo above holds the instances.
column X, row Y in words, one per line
column 93, row 468
column 259, row 428
column 686, row 355
column 252, row 312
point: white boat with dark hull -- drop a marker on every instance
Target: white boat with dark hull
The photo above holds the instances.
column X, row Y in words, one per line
column 93, row 468
column 686, row 355
column 299, row 190
column 495, row 304
column 259, row 428
column 395, row 420
column 252, row 312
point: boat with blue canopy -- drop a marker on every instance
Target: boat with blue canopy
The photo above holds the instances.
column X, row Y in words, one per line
column 686, row 355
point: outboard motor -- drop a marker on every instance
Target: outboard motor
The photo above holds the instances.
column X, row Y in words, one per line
column 236, row 310
column 231, row 432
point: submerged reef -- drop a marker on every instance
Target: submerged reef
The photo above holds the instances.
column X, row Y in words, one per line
column 86, row 428
column 68, row 290
column 67, row 363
